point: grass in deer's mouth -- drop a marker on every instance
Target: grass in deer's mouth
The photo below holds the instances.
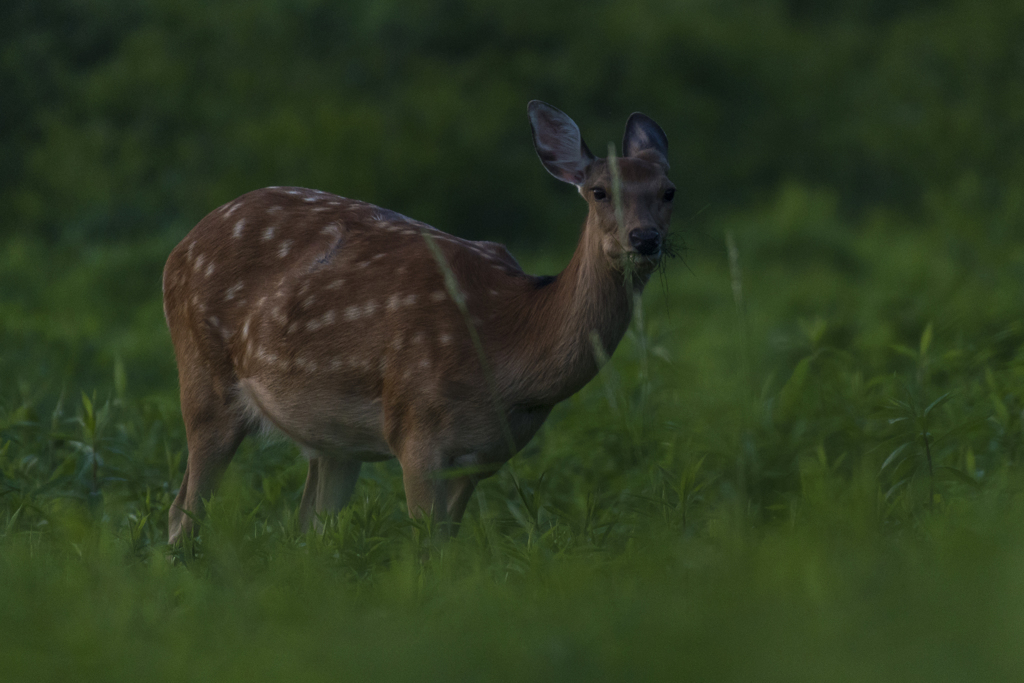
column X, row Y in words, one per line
column 672, row 246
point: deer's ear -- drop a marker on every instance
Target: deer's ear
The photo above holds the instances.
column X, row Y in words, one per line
column 558, row 143
column 645, row 139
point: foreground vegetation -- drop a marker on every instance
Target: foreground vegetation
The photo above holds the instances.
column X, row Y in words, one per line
column 803, row 463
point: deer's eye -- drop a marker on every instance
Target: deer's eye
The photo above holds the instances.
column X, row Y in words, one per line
column 669, row 194
column 599, row 194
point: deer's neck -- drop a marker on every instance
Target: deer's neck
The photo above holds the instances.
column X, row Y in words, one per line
column 588, row 305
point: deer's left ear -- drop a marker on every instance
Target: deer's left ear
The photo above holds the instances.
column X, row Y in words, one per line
column 645, row 139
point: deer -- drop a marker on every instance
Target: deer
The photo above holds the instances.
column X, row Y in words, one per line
column 363, row 335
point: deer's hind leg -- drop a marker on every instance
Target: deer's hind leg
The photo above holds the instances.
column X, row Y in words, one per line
column 215, row 424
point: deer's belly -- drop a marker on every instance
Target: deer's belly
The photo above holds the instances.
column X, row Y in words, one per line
column 325, row 421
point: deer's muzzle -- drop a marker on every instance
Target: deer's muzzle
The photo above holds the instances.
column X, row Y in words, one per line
column 646, row 241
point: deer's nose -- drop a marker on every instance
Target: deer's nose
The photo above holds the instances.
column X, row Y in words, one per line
column 646, row 241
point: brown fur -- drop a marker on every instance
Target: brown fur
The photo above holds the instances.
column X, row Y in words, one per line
column 330, row 320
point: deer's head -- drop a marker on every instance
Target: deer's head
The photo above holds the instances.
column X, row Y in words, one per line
column 630, row 197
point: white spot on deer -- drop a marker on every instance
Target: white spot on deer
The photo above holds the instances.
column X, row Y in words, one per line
column 310, row 198
column 231, row 209
column 444, row 339
column 437, row 296
column 394, row 301
column 233, row 291
column 303, row 288
column 294, row 193
column 191, row 247
column 209, row 269
column 362, row 264
column 323, row 321
column 409, row 300
column 425, row 363
column 284, row 248
column 337, row 363
column 417, row 338
column 214, row 321
column 336, row 284
column 331, row 229
column 263, row 300
column 400, row 270
column 355, row 312
column 308, row 301
column 378, row 256
column 198, row 265
column 292, row 328
column 275, row 209
column 397, row 342
column 239, row 226
column 278, row 315
column 268, row 234
column 245, row 330
column 492, row 292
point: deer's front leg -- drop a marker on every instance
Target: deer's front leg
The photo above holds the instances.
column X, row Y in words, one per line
column 329, row 486
column 431, row 491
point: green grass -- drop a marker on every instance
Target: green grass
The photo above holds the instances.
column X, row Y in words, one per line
column 804, row 463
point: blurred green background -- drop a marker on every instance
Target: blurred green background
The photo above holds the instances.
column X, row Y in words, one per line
column 803, row 462
column 124, row 121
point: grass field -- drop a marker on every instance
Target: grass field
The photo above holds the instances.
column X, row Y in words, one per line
column 803, row 463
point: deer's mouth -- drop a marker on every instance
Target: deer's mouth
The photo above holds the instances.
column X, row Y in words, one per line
column 642, row 261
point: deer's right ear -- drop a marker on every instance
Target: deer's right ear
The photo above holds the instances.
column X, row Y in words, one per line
column 558, row 143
